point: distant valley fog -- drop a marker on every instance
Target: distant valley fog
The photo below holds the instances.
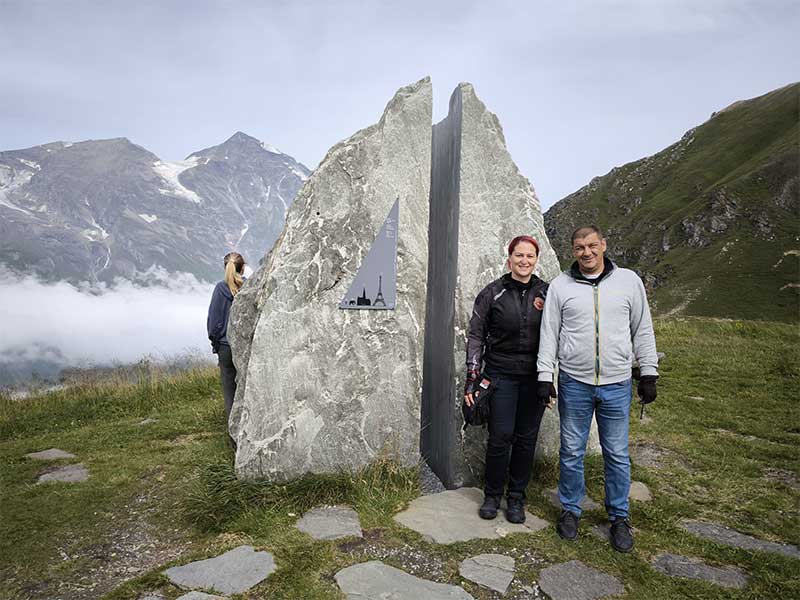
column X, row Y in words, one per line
column 46, row 327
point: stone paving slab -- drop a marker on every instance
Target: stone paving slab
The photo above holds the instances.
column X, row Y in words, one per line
column 586, row 504
column 694, row 568
column 573, row 580
column 69, row 474
column 330, row 523
column 640, row 492
column 234, row 572
column 376, row 581
column 199, row 596
column 494, row 571
column 730, row 537
column 452, row 516
column 50, row 454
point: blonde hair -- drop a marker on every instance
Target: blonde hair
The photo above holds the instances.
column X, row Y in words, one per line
column 234, row 267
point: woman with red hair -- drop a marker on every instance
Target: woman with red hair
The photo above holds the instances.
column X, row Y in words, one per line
column 502, row 347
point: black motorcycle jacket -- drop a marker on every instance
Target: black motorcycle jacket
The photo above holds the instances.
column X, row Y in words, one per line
column 504, row 327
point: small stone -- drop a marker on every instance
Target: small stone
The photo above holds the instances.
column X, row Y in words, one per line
column 730, row 537
column 586, row 504
column 376, row 581
column 234, row 572
column 452, row 516
column 639, row 491
column 152, row 596
column 50, row 454
column 330, row 523
column 494, row 571
column 696, row 398
column 69, row 474
column 147, row 422
column 693, row 568
column 199, row 596
column 601, row 531
column 573, row 580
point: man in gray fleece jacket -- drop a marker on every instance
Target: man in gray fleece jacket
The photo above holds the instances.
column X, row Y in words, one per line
column 596, row 321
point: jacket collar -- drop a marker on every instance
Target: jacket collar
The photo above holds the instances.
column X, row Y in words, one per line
column 608, row 268
column 510, row 282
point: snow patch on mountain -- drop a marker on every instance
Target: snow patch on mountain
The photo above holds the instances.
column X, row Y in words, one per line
column 302, row 176
column 29, row 163
column 270, row 148
column 148, row 218
column 12, row 179
column 169, row 172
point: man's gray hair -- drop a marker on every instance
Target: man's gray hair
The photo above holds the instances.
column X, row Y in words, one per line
column 582, row 232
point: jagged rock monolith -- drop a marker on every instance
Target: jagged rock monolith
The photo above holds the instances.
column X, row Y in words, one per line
column 479, row 202
column 321, row 388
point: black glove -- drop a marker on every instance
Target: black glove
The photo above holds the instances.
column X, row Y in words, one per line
column 471, row 382
column 647, row 389
column 544, row 391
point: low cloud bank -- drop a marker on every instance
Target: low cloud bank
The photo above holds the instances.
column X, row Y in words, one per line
column 81, row 325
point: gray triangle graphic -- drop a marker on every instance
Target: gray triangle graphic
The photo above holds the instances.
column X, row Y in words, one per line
column 375, row 285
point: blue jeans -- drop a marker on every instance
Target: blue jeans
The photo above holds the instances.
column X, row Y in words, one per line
column 611, row 405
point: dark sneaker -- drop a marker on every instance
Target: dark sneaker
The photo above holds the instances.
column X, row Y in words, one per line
column 515, row 512
column 567, row 526
column 489, row 508
column 621, row 535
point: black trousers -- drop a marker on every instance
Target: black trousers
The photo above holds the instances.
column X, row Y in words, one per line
column 516, row 415
column 227, row 373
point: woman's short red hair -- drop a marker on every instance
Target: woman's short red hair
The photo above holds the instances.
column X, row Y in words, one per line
column 523, row 238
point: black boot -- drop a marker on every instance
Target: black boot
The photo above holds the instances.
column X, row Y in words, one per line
column 515, row 513
column 567, row 526
column 621, row 535
column 488, row 509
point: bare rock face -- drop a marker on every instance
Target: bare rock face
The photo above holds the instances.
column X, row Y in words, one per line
column 321, row 388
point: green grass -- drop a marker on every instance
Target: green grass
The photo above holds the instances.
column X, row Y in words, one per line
column 176, row 475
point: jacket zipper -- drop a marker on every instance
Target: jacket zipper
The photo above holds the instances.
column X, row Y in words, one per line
column 596, row 294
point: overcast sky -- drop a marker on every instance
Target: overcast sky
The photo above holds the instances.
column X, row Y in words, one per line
column 579, row 87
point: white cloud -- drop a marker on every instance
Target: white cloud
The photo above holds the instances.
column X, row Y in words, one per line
column 123, row 322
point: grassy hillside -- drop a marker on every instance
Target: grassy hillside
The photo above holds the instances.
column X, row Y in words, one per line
column 163, row 492
column 712, row 223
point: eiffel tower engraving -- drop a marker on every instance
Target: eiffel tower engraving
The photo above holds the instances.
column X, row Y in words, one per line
column 379, row 301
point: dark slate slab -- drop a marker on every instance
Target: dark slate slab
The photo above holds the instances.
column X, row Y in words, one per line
column 694, row 568
column 234, row 572
column 494, row 571
column 573, row 580
column 730, row 537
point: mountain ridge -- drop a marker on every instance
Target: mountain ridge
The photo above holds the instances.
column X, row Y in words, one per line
column 711, row 221
column 94, row 210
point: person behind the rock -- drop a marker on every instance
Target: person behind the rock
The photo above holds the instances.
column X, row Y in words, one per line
column 217, row 324
column 595, row 322
column 503, row 339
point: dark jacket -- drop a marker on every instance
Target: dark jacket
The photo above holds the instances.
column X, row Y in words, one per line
column 504, row 328
column 218, row 312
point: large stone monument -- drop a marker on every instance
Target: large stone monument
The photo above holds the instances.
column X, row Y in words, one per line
column 323, row 388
